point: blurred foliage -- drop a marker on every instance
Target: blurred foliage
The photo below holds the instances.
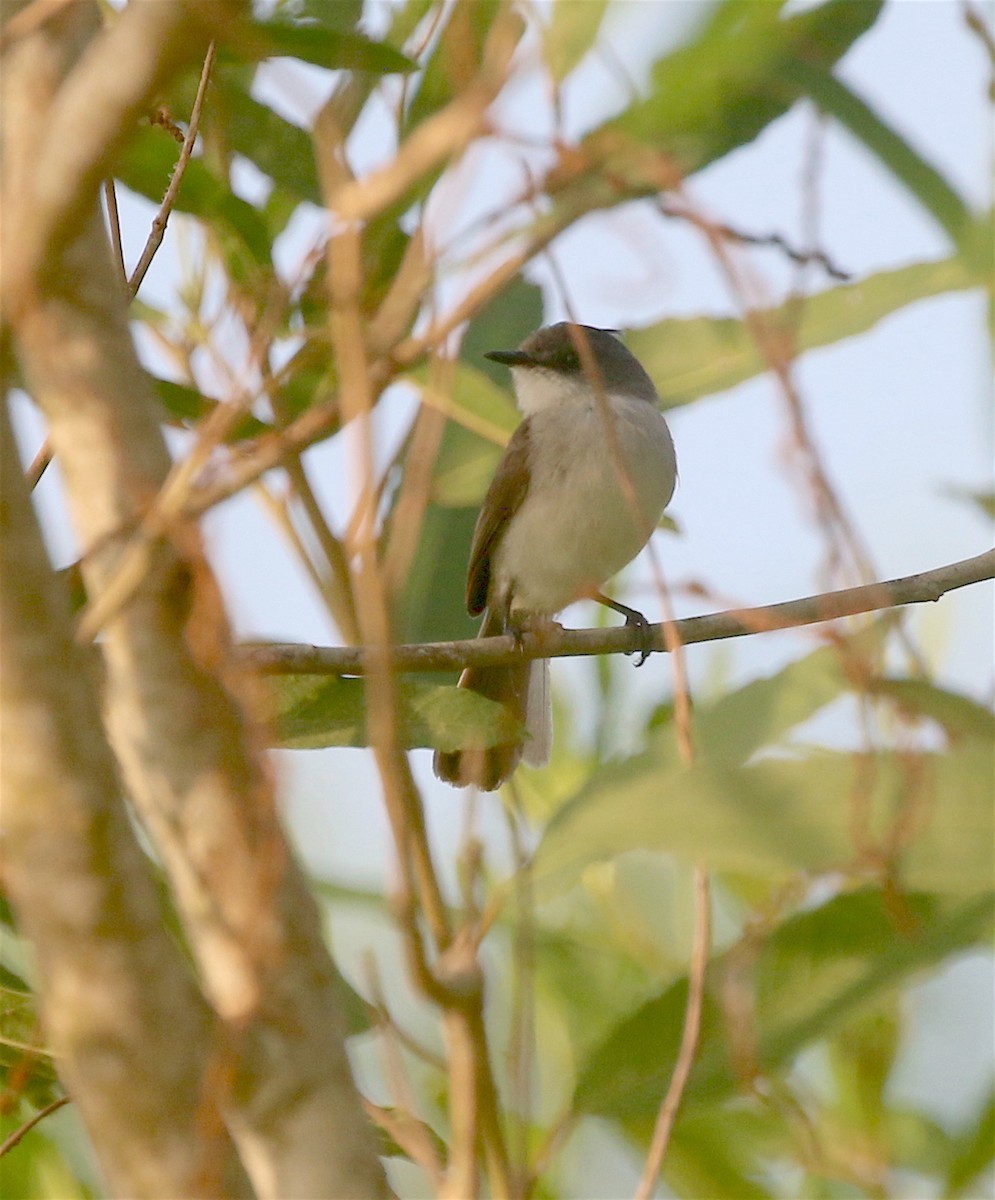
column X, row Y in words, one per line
column 841, row 878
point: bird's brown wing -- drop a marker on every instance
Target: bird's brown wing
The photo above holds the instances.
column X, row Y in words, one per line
column 504, row 497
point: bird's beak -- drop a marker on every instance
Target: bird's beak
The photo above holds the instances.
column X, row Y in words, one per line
column 511, row 358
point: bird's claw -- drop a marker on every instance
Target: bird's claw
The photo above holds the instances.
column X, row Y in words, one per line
column 636, row 620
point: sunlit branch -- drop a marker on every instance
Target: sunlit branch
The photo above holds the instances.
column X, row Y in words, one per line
column 555, row 642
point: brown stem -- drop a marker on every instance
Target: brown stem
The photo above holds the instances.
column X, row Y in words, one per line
column 689, row 1038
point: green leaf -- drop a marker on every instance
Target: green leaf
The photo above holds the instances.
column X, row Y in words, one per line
column 280, row 149
column 572, row 32
column 985, row 501
column 316, row 711
column 778, row 817
column 960, row 716
column 972, row 1152
column 621, row 807
column 723, row 88
column 187, row 406
column 818, row 970
column 717, row 1155
column 335, row 49
column 922, row 179
column 699, row 356
column 432, row 605
column 482, row 418
column 775, row 815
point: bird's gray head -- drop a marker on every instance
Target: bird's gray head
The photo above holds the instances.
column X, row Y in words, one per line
column 565, row 362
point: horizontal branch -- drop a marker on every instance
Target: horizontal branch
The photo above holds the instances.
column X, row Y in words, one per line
column 556, row 642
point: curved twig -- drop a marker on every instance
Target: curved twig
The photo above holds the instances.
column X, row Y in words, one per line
column 10, row 1142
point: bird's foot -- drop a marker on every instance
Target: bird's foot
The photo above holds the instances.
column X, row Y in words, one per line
column 634, row 619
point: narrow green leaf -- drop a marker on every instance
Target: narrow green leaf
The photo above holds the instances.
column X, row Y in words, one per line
column 985, row 501
column 453, row 60
column 187, row 406
column 816, row 971
column 730, row 82
column 960, row 716
column 573, row 31
column 972, row 1152
column 335, row 49
column 280, row 149
column 432, row 606
column 699, row 356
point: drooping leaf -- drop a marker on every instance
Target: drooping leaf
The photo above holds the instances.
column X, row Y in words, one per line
column 334, row 49
column 726, row 85
column 816, row 971
column 794, row 811
column 699, row 356
column 280, row 149
column 187, row 406
column 316, row 711
column 573, row 30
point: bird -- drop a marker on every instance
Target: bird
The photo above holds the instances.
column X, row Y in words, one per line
column 577, row 494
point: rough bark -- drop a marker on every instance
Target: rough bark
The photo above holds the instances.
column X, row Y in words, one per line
column 132, row 1036
column 175, row 703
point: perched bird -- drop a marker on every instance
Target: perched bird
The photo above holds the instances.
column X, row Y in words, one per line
column 576, row 496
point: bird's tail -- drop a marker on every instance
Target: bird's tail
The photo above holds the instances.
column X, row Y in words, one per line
column 523, row 688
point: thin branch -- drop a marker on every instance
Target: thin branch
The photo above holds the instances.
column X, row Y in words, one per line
column 442, row 136
column 39, row 464
column 319, row 421
column 127, row 64
column 775, row 240
column 689, row 1037
column 10, row 1142
column 114, row 225
column 556, row 642
column 158, row 229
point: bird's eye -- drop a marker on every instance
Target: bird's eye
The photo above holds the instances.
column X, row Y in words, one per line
column 566, row 359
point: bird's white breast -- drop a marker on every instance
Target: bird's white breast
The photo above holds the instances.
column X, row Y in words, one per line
column 580, row 523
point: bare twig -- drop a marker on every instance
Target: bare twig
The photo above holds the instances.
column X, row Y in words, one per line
column 39, row 464
column 689, row 1037
column 776, row 240
column 158, row 229
column 441, row 136
column 10, row 1142
column 139, row 51
column 975, row 21
column 114, row 224
column 563, row 643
